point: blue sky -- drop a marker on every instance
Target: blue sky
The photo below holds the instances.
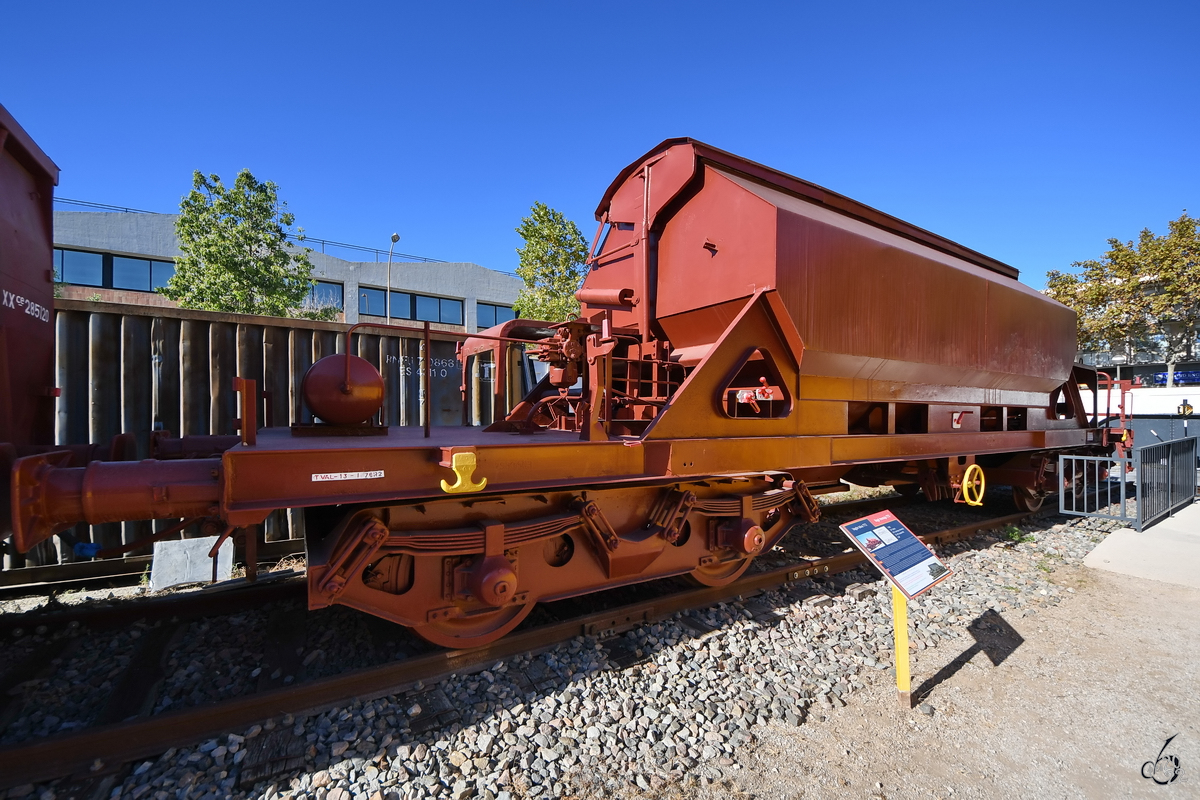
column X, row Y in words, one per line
column 1031, row 132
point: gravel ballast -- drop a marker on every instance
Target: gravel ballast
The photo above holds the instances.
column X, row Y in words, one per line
column 678, row 707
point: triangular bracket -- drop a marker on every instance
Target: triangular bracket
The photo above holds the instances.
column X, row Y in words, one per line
column 760, row 342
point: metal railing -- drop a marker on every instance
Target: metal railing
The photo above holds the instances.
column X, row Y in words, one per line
column 1154, row 482
column 1095, row 486
column 1166, row 479
column 308, row 241
column 101, row 206
column 377, row 254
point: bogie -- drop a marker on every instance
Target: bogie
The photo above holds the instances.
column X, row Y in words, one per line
column 465, row 585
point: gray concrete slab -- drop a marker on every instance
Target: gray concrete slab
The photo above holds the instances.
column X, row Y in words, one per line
column 186, row 561
column 1168, row 551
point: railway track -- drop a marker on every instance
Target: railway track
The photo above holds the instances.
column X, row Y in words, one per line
column 125, row 730
column 111, row 572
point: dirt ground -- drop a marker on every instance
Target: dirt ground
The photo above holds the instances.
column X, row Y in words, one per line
column 1084, row 695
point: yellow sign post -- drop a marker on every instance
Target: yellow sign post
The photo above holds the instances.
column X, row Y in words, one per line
column 909, row 565
column 900, row 631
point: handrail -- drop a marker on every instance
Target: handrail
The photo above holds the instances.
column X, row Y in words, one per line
column 362, row 248
column 291, row 237
column 1108, row 384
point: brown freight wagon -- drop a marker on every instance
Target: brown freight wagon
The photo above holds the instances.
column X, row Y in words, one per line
column 27, row 180
column 746, row 340
column 27, row 388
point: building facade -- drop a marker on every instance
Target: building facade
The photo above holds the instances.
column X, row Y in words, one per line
column 124, row 256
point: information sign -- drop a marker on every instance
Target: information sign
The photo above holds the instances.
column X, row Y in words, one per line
column 903, row 558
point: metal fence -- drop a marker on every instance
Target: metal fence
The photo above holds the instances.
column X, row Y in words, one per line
column 1095, row 486
column 323, row 245
column 1166, row 479
column 138, row 369
column 1155, row 482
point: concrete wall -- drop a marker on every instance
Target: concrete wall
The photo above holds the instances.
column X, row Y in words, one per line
column 147, row 235
column 153, row 236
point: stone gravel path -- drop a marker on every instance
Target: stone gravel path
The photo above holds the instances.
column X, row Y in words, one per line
column 1092, row 693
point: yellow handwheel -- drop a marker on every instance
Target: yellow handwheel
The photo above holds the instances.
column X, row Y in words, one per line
column 973, row 485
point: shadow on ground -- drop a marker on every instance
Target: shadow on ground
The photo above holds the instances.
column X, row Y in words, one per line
column 993, row 636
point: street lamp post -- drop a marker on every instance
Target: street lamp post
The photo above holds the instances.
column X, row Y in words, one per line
column 388, row 300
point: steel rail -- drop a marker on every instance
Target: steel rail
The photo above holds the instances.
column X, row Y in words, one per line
column 120, row 743
column 28, row 580
column 230, row 598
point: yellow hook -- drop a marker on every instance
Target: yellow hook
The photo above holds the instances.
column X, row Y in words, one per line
column 463, row 465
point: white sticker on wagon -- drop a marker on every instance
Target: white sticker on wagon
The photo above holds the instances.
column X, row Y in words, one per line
column 346, row 476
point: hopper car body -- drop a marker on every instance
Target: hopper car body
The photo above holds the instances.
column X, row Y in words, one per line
column 746, row 341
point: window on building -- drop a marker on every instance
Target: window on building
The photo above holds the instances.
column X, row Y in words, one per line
column 371, row 301
column 488, row 315
column 438, row 309
column 327, row 293
column 131, row 273
column 420, row 307
column 85, row 269
column 111, row 271
column 451, row 311
column 160, row 273
column 402, row 305
column 428, row 309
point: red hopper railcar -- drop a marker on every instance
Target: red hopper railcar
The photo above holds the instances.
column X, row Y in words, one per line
column 747, row 339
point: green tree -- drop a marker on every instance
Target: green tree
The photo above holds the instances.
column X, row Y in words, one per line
column 235, row 254
column 1138, row 294
column 1174, row 286
column 551, row 264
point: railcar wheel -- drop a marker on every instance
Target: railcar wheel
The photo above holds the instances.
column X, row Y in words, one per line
column 907, row 489
column 475, row 630
column 720, row 573
column 1075, row 483
column 1027, row 499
